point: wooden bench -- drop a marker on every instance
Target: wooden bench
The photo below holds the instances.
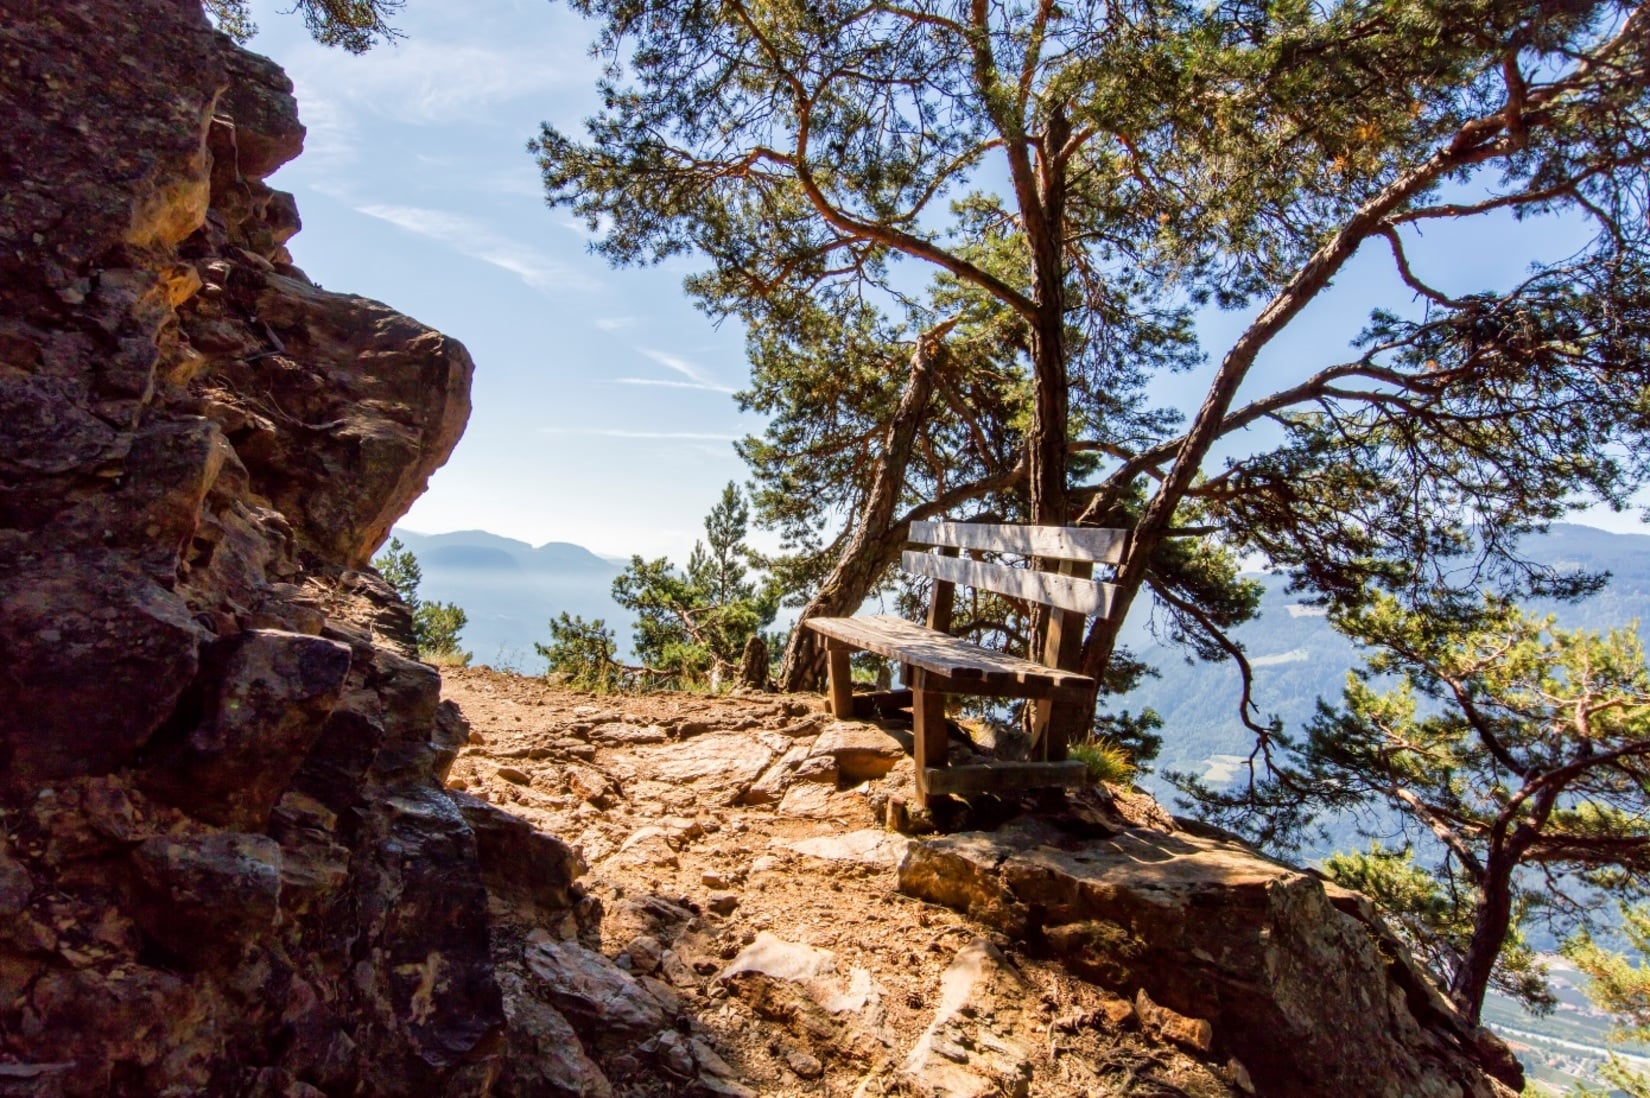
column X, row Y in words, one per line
column 937, row 664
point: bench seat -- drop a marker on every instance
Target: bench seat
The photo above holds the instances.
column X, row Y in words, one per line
column 965, row 665
column 1060, row 562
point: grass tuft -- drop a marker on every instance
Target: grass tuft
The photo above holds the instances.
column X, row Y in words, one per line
column 1106, row 761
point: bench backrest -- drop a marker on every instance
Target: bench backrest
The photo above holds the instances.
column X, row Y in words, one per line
column 1068, row 589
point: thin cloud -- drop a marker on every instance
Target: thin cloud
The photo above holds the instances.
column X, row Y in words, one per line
column 666, row 383
column 614, row 323
column 621, row 432
column 425, row 82
column 470, row 237
column 689, row 370
column 331, row 142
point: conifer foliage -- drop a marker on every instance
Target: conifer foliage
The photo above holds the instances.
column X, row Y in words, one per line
column 1075, row 177
column 1620, row 986
column 436, row 625
column 1516, row 756
column 353, row 25
column 691, row 625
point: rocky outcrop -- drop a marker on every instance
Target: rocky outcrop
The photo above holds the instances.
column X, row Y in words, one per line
column 1224, row 953
column 762, row 934
column 227, row 865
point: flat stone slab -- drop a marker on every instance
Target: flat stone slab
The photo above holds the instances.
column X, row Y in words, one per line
column 1309, row 997
column 863, row 752
column 720, row 765
column 811, row 970
column 620, row 733
column 868, row 845
column 978, row 1044
column 817, row 801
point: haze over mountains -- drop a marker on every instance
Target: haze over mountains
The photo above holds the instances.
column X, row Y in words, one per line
column 1298, row 658
column 511, row 590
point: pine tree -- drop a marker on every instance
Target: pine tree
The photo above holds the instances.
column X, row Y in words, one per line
column 692, row 625
column 584, row 655
column 1515, row 754
column 436, row 625
column 1074, row 176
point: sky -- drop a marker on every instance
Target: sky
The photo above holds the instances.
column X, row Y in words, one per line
column 603, row 411
column 602, row 399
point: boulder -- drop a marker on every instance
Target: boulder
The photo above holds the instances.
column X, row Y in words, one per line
column 517, row 860
column 1310, row 999
column 264, row 698
column 258, row 103
column 98, row 656
column 545, row 1058
column 863, row 752
column 603, row 1001
column 205, row 898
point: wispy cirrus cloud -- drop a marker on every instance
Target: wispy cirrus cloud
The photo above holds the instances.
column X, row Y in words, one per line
column 330, row 141
column 697, row 376
column 471, row 237
column 422, row 81
column 667, row 383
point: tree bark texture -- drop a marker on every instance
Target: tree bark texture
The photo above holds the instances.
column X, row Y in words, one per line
column 1489, row 933
column 876, row 540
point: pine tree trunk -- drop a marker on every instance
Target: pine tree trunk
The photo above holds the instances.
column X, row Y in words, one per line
column 1489, row 933
column 1046, row 443
column 874, row 544
column 1045, row 218
column 753, row 663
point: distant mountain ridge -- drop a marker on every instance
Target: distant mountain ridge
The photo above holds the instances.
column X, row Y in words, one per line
column 510, row 590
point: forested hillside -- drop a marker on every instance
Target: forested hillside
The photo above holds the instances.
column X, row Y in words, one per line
column 1298, row 658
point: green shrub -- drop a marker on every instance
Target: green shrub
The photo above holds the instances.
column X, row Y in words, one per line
column 1106, row 761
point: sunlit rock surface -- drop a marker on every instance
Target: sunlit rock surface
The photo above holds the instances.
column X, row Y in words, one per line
column 227, row 865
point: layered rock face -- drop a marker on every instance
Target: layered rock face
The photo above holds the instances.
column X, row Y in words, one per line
column 226, row 862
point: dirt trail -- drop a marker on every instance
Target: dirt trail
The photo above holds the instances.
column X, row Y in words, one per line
column 730, row 841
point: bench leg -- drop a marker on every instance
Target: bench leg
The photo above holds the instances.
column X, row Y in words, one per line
column 929, row 747
column 840, row 679
column 1069, row 715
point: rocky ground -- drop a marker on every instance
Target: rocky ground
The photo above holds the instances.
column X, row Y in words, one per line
column 750, row 924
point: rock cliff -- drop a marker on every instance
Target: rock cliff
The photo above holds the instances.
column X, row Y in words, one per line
column 247, row 849
column 226, row 865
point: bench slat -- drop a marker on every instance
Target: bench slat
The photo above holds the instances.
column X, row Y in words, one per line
column 1065, row 592
column 1103, row 546
column 1001, row 777
column 941, row 654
